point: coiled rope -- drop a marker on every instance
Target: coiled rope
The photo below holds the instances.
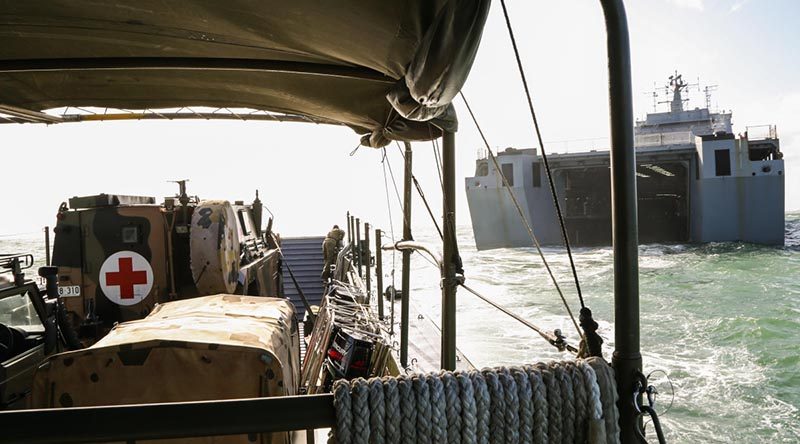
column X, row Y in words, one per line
column 543, row 403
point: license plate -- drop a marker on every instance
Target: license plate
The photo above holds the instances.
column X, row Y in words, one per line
column 66, row 291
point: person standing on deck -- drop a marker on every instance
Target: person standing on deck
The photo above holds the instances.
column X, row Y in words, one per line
column 330, row 248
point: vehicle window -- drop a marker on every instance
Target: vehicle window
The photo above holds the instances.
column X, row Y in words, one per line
column 18, row 311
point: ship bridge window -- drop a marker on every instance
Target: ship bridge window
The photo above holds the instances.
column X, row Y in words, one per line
column 482, row 169
column 508, row 172
column 537, row 175
column 722, row 162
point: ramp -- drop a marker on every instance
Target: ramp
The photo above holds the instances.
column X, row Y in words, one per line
column 304, row 256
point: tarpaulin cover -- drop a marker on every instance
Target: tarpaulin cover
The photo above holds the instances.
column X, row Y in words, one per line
column 213, row 347
column 388, row 69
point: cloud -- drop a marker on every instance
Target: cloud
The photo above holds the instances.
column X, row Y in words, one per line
column 690, row 4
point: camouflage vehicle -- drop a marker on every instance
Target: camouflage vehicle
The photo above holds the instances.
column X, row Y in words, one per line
column 118, row 256
column 30, row 318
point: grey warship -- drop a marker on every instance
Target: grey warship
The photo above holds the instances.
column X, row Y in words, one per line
column 697, row 182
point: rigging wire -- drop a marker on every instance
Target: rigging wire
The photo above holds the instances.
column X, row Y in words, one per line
column 521, row 214
column 544, row 154
column 422, row 196
column 385, row 161
column 437, row 156
column 552, row 338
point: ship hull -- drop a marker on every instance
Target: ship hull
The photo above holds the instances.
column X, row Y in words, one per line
column 681, row 197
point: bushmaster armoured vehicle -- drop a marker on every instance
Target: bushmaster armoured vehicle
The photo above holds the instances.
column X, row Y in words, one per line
column 118, row 256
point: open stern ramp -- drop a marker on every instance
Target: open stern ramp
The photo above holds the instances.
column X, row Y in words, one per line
column 304, row 256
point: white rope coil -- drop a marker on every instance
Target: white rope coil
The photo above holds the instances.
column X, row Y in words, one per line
column 559, row 402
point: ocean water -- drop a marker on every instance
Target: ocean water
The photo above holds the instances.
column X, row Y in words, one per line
column 720, row 322
column 720, row 326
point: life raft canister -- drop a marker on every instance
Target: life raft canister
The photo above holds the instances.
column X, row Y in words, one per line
column 214, row 247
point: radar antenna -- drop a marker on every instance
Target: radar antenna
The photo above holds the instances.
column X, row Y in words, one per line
column 707, row 90
column 677, row 86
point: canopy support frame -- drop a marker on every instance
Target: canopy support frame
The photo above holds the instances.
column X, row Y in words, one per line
column 449, row 280
column 627, row 358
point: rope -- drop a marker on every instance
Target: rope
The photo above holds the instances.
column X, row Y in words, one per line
column 423, row 397
column 568, row 407
column 540, row 407
column 360, row 404
column 521, row 214
column 512, row 406
column 438, row 410
column 344, row 416
column 547, row 336
column 553, row 403
column 408, row 425
column 608, row 394
column 427, row 206
column 497, row 405
column 581, row 404
column 557, row 403
column 544, row 154
column 469, row 410
column 391, row 397
column 377, row 418
column 525, row 396
column 453, row 413
column 597, row 428
column 482, row 406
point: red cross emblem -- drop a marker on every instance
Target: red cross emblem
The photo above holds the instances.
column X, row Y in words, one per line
column 126, row 278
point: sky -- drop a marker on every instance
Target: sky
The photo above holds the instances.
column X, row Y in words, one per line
column 309, row 180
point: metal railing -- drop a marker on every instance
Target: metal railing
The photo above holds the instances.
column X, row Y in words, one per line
column 167, row 420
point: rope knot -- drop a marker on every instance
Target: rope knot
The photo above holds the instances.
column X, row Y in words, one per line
column 591, row 343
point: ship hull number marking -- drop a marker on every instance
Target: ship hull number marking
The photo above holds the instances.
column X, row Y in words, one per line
column 126, row 278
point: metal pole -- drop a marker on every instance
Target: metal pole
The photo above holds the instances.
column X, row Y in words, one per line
column 47, row 246
column 448, row 251
column 367, row 270
column 404, row 299
column 379, row 272
column 130, row 423
column 349, row 229
column 358, row 246
column 627, row 359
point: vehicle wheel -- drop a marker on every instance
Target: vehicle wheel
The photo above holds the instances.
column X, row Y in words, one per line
column 214, row 247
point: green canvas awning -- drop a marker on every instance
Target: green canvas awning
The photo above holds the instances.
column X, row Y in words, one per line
column 388, row 69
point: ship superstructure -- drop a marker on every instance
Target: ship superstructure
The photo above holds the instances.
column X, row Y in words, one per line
column 697, row 182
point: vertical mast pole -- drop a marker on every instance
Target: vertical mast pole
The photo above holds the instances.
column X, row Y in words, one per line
column 349, row 229
column 449, row 250
column 404, row 300
column 358, row 246
column 379, row 272
column 47, row 246
column 627, row 360
column 366, row 266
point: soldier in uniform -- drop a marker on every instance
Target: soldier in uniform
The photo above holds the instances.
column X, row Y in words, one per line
column 330, row 248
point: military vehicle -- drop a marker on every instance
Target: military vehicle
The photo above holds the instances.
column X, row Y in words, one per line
column 118, row 256
column 30, row 321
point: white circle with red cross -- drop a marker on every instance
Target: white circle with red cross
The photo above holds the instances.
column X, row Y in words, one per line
column 126, row 278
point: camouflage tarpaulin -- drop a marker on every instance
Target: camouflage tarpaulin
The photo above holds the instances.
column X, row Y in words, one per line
column 385, row 68
column 213, row 347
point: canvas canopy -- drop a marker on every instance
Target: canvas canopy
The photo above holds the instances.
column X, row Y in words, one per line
column 388, row 69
